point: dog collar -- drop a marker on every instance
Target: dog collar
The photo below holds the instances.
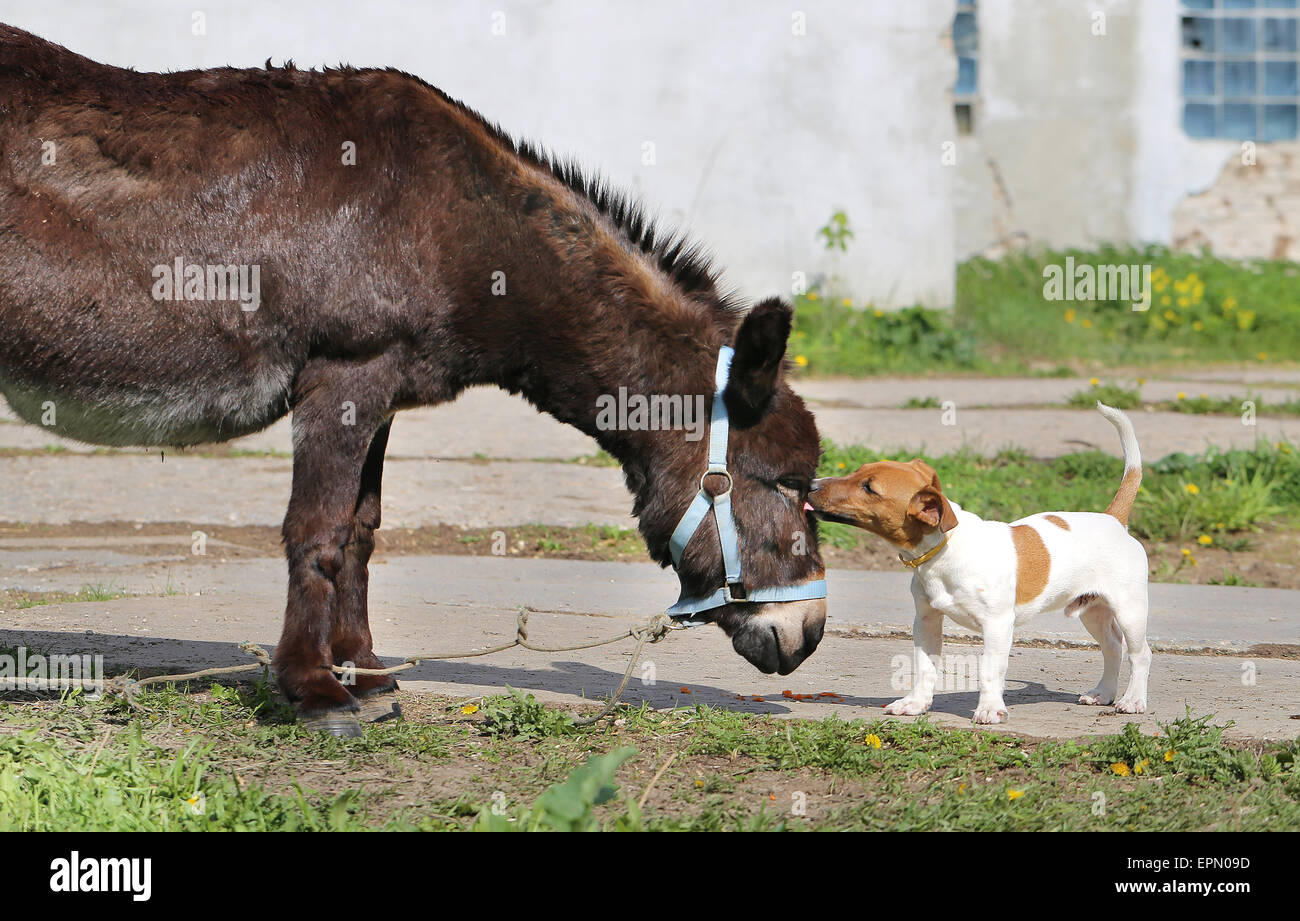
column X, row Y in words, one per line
column 924, row 557
column 733, row 588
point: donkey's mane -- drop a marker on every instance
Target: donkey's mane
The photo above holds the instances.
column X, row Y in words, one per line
column 687, row 262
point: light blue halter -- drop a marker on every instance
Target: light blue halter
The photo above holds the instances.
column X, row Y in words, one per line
column 733, row 588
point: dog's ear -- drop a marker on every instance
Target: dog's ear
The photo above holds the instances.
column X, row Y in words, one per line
column 929, row 506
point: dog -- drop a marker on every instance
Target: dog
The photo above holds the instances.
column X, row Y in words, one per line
column 990, row 576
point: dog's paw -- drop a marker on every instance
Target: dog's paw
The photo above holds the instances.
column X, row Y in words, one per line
column 1095, row 698
column 1131, row 706
column 992, row 714
column 906, row 706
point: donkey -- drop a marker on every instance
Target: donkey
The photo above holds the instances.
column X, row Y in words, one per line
column 402, row 249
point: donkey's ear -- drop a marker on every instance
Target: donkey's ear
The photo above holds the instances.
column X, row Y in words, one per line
column 760, row 346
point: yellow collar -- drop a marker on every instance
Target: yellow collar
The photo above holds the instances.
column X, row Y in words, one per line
column 924, row 557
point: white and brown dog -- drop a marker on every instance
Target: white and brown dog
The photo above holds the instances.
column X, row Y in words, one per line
column 990, row 576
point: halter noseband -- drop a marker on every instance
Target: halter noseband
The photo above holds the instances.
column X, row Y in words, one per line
column 733, row 588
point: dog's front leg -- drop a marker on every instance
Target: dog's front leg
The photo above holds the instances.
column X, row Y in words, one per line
column 993, row 670
column 927, row 644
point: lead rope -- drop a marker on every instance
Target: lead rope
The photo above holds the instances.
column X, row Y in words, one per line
column 653, row 631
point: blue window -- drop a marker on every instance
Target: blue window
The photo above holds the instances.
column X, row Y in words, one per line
column 965, row 42
column 1241, row 69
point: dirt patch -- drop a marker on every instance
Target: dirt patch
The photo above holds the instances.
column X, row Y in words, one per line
column 1268, row 560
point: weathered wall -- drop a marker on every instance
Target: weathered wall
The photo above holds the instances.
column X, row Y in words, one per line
column 759, row 133
column 1079, row 141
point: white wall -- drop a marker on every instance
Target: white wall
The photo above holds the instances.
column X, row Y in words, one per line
column 759, row 133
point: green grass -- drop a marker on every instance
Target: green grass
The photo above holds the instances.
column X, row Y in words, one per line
column 1217, row 493
column 197, row 761
column 1204, row 310
column 99, row 592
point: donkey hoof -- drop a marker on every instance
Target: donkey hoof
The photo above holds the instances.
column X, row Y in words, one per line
column 379, row 707
column 342, row 725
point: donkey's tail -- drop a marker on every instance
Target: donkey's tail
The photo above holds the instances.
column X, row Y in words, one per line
column 1122, row 504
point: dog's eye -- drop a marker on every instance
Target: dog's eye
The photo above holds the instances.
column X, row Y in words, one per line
column 866, row 486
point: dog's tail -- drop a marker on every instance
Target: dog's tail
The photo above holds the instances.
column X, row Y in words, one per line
column 1122, row 504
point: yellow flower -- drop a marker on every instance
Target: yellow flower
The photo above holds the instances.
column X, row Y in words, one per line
column 1141, row 381
column 1141, row 765
column 847, row 302
column 1170, row 315
column 1015, row 794
column 1198, row 326
column 1192, row 489
column 801, row 360
column 1169, row 755
column 873, row 740
column 1070, row 315
column 699, row 783
column 1186, row 552
column 1262, row 356
column 1181, row 395
column 878, row 313
column 1229, row 303
column 1120, row 768
column 1184, row 302
column 1205, row 540
column 1086, row 323
column 812, row 295
column 841, row 465
column 1093, row 381
column 469, row 708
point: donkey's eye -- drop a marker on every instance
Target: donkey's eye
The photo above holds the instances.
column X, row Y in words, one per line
column 794, row 484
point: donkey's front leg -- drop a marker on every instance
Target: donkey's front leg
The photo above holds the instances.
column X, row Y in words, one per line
column 338, row 409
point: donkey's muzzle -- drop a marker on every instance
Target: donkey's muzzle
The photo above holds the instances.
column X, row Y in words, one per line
column 779, row 636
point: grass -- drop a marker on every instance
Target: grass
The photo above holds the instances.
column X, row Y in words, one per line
column 1218, row 494
column 100, row 592
column 1203, row 310
column 1131, row 398
column 197, row 761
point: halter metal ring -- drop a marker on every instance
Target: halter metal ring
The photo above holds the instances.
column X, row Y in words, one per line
column 718, row 471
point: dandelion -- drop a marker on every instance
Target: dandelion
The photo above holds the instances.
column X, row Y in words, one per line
column 961, row 788
column 841, row 465
column 1015, row 794
column 1170, row 315
column 1229, row 303
column 1120, row 768
column 1141, row 765
column 801, row 360
column 1198, row 326
column 877, row 313
column 847, row 302
column 469, row 709
column 1093, row 381
column 1192, row 489
column 1181, row 395
column 812, row 295
column 1205, row 540
column 1262, row 356
column 1169, row 755
column 699, row 783
column 1070, row 315
column 1086, row 323
column 873, row 740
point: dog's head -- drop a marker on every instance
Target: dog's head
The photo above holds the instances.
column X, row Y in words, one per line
column 899, row 502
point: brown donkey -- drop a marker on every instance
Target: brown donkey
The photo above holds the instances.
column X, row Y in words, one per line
column 187, row 257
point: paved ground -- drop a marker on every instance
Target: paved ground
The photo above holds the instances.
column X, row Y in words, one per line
column 423, row 604
column 191, row 614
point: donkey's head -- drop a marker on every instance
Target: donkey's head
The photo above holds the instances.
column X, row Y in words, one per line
column 771, row 458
